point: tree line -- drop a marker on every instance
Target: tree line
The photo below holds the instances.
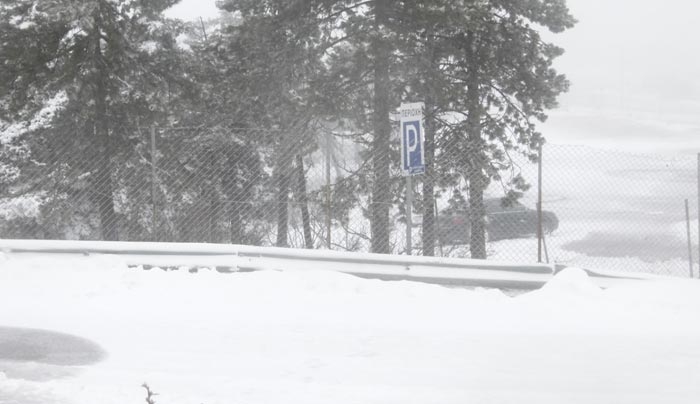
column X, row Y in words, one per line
column 261, row 81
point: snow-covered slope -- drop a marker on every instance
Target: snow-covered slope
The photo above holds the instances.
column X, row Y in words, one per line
column 326, row 337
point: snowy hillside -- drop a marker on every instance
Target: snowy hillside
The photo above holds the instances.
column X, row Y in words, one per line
column 324, row 337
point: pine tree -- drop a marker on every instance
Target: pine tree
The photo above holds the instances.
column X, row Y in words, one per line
column 274, row 50
column 107, row 61
column 485, row 75
column 504, row 70
column 364, row 88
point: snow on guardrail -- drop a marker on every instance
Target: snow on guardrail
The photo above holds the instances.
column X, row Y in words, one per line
column 235, row 258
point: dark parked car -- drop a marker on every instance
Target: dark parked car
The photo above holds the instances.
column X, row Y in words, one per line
column 502, row 222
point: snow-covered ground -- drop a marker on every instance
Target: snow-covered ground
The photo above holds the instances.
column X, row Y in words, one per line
column 325, row 337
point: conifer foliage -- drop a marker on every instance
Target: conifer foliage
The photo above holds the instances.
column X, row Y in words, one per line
column 262, row 84
column 78, row 72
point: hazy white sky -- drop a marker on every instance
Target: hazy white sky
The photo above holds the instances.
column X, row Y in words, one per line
column 633, row 66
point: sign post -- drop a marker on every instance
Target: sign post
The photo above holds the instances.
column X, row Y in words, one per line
column 412, row 156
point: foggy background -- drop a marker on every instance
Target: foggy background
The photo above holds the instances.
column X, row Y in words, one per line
column 633, row 69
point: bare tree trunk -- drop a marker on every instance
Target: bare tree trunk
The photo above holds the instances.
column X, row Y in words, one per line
column 214, row 215
column 477, row 161
column 381, row 196
column 235, row 204
column 102, row 180
column 303, row 201
column 282, row 186
column 477, row 213
column 428, row 236
column 235, row 228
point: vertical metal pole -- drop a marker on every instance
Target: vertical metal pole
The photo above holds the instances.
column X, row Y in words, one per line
column 328, row 190
column 539, row 204
column 154, row 181
column 437, row 227
column 690, row 248
column 409, row 214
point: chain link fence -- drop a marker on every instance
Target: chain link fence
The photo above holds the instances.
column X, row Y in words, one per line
column 614, row 210
column 600, row 209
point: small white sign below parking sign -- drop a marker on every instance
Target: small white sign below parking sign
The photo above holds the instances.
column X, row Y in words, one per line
column 412, row 148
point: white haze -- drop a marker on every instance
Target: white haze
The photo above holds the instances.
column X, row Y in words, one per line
column 633, row 67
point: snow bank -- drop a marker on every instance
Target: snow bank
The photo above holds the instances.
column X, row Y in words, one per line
column 327, row 337
column 571, row 281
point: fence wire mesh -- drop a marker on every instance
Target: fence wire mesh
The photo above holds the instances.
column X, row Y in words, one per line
column 600, row 209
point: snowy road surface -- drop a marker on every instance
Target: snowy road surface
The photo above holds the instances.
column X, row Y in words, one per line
column 324, row 337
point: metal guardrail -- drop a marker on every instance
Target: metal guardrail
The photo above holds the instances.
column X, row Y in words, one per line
column 239, row 258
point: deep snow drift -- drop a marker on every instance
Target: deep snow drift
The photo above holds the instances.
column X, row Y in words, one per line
column 324, row 337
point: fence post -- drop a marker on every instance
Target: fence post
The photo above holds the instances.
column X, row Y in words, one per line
column 437, row 226
column 690, row 248
column 539, row 204
column 328, row 190
column 154, row 180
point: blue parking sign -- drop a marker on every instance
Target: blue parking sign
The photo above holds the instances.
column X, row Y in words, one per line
column 412, row 156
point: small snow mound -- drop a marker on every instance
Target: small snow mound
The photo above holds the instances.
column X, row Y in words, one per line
column 572, row 282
